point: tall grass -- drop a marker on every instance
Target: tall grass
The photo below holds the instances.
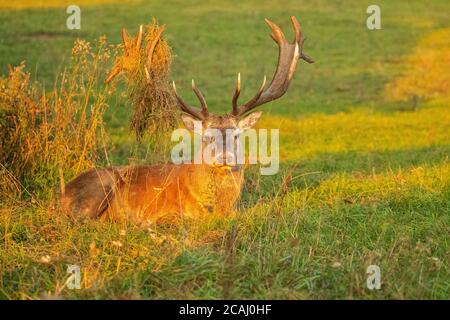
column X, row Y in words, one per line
column 363, row 181
column 53, row 136
column 49, row 136
column 145, row 67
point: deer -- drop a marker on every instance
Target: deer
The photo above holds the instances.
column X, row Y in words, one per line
column 146, row 193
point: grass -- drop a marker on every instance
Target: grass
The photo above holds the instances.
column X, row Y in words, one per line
column 365, row 173
column 46, row 135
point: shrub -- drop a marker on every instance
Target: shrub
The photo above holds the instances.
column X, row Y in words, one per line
column 50, row 135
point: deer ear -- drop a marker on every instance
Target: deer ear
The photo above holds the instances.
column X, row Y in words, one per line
column 188, row 121
column 192, row 124
column 250, row 120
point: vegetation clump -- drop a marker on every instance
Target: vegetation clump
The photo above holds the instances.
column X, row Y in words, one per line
column 47, row 136
column 145, row 65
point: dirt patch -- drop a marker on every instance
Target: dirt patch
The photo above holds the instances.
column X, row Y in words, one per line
column 44, row 35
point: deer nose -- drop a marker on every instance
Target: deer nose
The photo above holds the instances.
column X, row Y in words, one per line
column 230, row 158
column 226, row 158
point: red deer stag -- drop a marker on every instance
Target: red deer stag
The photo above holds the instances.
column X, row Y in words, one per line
column 146, row 193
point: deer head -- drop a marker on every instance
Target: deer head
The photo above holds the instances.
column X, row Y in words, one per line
column 240, row 118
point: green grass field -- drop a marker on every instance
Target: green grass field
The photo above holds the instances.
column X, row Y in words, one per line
column 364, row 135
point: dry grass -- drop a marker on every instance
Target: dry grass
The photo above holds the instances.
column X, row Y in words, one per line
column 361, row 188
column 145, row 64
column 49, row 134
column 51, row 137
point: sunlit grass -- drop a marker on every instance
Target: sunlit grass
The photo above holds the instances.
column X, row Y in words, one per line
column 427, row 70
column 365, row 172
column 311, row 242
column 36, row 4
column 361, row 131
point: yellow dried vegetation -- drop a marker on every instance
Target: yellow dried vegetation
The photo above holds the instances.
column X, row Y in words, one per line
column 145, row 66
column 49, row 135
column 427, row 70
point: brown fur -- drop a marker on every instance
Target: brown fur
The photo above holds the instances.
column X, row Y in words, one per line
column 146, row 193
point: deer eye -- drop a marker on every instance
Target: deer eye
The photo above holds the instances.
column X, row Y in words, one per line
column 209, row 137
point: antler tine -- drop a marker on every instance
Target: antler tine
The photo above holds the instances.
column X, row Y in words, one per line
column 237, row 92
column 303, row 55
column 201, row 98
column 185, row 107
column 297, row 29
column 246, row 107
column 300, row 40
column 277, row 35
column 288, row 56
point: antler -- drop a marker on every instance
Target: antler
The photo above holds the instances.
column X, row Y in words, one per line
column 195, row 112
column 289, row 53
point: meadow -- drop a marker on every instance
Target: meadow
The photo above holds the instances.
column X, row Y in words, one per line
column 364, row 147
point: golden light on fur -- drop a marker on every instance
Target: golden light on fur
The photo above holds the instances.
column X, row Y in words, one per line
column 145, row 194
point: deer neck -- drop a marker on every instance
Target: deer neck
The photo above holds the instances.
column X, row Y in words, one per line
column 215, row 189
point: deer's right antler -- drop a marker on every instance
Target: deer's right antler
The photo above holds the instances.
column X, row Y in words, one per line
column 289, row 53
column 195, row 112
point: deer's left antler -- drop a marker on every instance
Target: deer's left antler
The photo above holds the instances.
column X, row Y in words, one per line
column 289, row 53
